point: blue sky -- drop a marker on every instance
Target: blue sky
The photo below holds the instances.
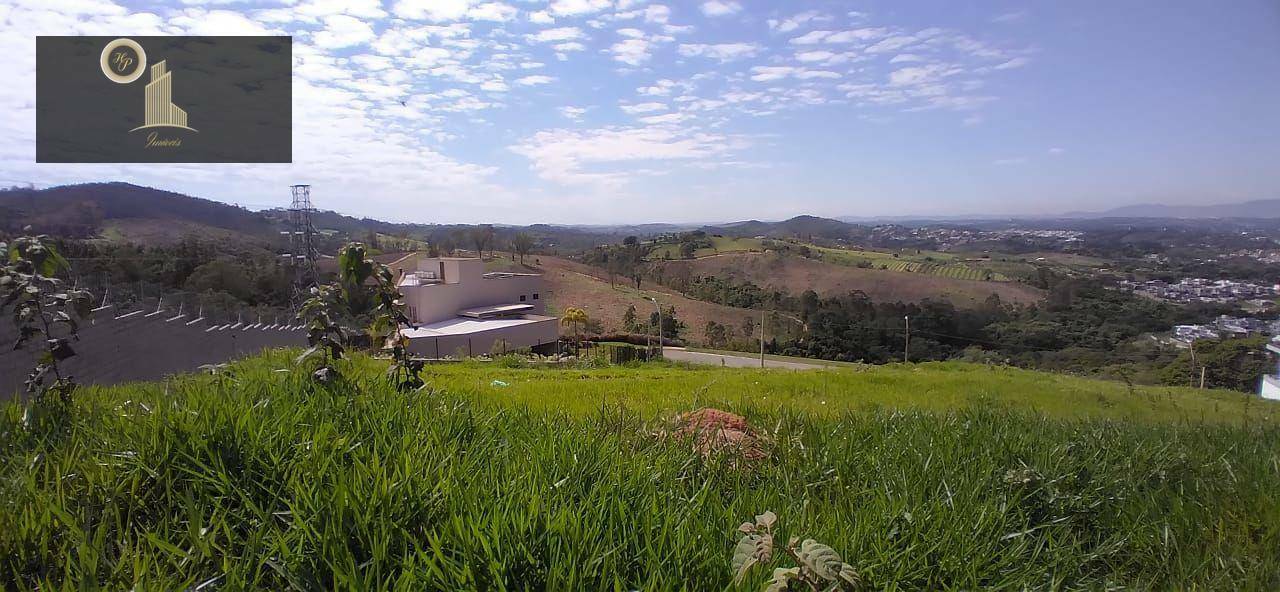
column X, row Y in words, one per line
column 602, row 111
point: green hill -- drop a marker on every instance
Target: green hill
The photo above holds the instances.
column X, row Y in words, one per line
column 943, row 476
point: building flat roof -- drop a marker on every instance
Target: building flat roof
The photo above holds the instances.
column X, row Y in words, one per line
column 464, row 326
column 488, row 311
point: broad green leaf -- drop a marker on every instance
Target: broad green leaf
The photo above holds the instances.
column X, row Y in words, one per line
column 751, row 549
column 782, row 578
column 820, row 559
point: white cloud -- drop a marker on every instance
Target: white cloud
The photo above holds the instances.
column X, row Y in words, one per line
column 657, row 13
column 432, row 10
column 1056, row 151
column 660, row 88
column 541, row 17
column 1010, row 161
column 631, row 51
column 811, row 37
column 790, row 24
column 917, row 75
column 556, row 34
column 565, row 156
column 574, row 113
column 814, row 56
column 493, row 11
column 771, row 73
column 903, row 58
column 343, row 31
column 715, row 8
column 1010, row 17
column 1013, row 63
column 643, row 108
column 534, row 80
column 577, row 7
column 720, row 51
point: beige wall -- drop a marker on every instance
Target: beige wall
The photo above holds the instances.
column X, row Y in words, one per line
column 480, row 342
column 466, row 287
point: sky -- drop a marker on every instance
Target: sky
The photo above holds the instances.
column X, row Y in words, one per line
column 630, row 111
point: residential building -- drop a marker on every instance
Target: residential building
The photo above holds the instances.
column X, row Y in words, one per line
column 460, row 310
column 1269, row 386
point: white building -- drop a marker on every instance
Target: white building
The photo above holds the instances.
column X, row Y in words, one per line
column 1269, row 388
column 459, row 310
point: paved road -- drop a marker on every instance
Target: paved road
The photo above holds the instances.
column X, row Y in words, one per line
column 682, row 355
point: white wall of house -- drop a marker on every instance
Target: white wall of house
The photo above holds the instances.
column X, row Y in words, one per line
column 481, row 342
column 464, row 286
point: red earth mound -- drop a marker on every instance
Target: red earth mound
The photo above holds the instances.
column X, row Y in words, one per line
column 713, row 431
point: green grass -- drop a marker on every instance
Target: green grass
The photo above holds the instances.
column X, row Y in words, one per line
column 719, row 244
column 927, row 262
column 938, row 476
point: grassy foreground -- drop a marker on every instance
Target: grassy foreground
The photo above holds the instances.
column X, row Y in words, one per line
column 929, row 477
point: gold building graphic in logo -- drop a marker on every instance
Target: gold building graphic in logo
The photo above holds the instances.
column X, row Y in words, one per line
column 160, row 110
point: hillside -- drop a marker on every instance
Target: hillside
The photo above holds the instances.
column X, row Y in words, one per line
column 81, row 210
column 586, row 287
column 797, row 227
column 796, row 274
column 502, row 477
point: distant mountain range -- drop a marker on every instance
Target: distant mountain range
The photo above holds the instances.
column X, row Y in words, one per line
column 1262, row 208
column 1257, row 209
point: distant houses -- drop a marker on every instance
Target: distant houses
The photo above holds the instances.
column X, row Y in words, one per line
column 1203, row 290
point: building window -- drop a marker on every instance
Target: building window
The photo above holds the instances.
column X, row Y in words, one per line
column 535, row 295
column 522, row 298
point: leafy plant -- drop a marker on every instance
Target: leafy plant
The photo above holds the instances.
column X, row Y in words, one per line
column 325, row 336
column 365, row 293
column 818, row 566
column 43, row 308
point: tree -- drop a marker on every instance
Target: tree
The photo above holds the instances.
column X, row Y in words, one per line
column 1229, row 363
column 629, row 319
column 574, row 317
column 717, row 335
column 522, row 244
column 482, row 237
column 671, row 326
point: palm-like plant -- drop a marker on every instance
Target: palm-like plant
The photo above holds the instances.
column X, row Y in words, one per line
column 574, row 317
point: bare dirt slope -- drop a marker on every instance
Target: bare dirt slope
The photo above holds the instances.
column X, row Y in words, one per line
column 797, row 274
column 577, row 285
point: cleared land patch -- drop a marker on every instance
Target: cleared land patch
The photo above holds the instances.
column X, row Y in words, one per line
column 796, row 274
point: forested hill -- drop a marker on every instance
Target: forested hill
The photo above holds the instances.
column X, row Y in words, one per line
column 80, row 210
column 797, row 227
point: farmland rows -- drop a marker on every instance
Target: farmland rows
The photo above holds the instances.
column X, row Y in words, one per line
column 960, row 272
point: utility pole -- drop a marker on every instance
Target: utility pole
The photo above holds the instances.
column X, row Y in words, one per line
column 763, row 322
column 906, row 343
column 1202, row 369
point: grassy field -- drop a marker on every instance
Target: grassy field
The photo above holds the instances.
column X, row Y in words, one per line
column 938, row 263
column 788, row 272
column 923, row 477
column 719, row 244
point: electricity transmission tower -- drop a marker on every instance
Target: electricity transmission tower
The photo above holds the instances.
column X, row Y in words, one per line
column 302, row 248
